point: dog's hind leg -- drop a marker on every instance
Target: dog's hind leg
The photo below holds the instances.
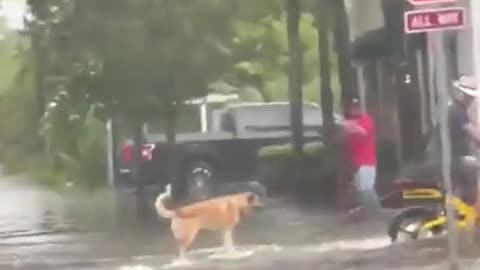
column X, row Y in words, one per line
column 184, row 241
column 228, row 241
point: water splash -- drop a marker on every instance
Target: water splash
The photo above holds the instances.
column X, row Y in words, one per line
column 361, row 244
column 183, row 262
column 207, row 255
column 233, row 255
column 136, row 267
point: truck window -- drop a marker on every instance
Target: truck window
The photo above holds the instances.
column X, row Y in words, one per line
column 227, row 123
column 276, row 117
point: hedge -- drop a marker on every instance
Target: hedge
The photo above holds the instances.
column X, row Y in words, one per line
column 286, row 150
column 317, row 181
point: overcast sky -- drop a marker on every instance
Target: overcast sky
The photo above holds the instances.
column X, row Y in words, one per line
column 13, row 11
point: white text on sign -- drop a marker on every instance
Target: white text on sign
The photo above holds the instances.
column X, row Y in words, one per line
column 434, row 20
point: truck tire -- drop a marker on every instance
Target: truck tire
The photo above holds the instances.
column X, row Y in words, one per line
column 199, row 180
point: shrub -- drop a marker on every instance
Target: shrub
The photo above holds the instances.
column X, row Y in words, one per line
column 286, row 150
column 74, row 139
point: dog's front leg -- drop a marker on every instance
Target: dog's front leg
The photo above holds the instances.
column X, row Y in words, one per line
column 228, row 241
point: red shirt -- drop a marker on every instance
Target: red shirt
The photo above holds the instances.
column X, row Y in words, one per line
column 361, row 147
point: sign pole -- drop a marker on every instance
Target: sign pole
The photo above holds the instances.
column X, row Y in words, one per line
column 439, row 20
column 475, row 22
column 442, row 94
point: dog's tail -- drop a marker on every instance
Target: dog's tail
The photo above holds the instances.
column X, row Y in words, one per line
column 160, row 206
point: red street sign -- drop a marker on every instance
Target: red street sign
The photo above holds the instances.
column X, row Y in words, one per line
column 419, row 21
column 429, row 2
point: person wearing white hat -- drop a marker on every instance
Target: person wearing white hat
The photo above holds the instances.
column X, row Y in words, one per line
column 467, row 85
column 463, row 132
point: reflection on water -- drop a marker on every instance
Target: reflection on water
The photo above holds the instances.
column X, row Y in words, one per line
column 41, row 229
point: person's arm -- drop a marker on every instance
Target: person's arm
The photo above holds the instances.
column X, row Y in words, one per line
column 354, row 127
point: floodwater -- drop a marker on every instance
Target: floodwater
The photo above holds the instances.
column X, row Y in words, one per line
column 41, row 229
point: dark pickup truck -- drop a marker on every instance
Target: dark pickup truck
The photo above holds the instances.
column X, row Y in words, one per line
column 220, row 143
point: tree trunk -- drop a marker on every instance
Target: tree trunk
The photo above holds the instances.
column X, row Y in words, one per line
column 39, row 76
column 332, row 147
column 40, row 9
column 40, row 96
column 342, row 43
column 295, row 79
column 140, row 193
column 260, row 85
column 266, row 97
column 326, row 94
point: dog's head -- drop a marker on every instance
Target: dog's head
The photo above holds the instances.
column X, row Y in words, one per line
column 253, row 200
column 249, row 201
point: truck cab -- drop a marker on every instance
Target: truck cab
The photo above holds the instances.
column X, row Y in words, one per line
column 218, row 140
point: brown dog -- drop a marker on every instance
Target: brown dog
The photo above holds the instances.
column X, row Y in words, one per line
column 219, row 214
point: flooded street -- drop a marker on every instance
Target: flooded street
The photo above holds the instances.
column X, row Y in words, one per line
column 40, row 229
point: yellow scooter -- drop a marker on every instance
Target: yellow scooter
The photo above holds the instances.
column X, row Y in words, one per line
column 428, row 216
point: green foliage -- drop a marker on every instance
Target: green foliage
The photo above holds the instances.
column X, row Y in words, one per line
column 74, row 139
column 17, row 106
column 260, row 54
column 84, row 60
column 136, row 59
column 158, row 53
column 14, row 93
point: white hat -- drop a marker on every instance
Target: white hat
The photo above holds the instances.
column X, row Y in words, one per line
column 467, row 85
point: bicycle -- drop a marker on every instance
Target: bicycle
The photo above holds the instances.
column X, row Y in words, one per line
column 431, row 219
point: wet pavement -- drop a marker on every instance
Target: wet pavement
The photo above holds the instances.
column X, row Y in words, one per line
column 41, row 229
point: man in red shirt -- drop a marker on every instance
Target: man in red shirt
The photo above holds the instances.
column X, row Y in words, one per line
column 360, row 141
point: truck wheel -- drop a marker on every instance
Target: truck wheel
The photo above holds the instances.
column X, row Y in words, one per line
column 199, row 178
